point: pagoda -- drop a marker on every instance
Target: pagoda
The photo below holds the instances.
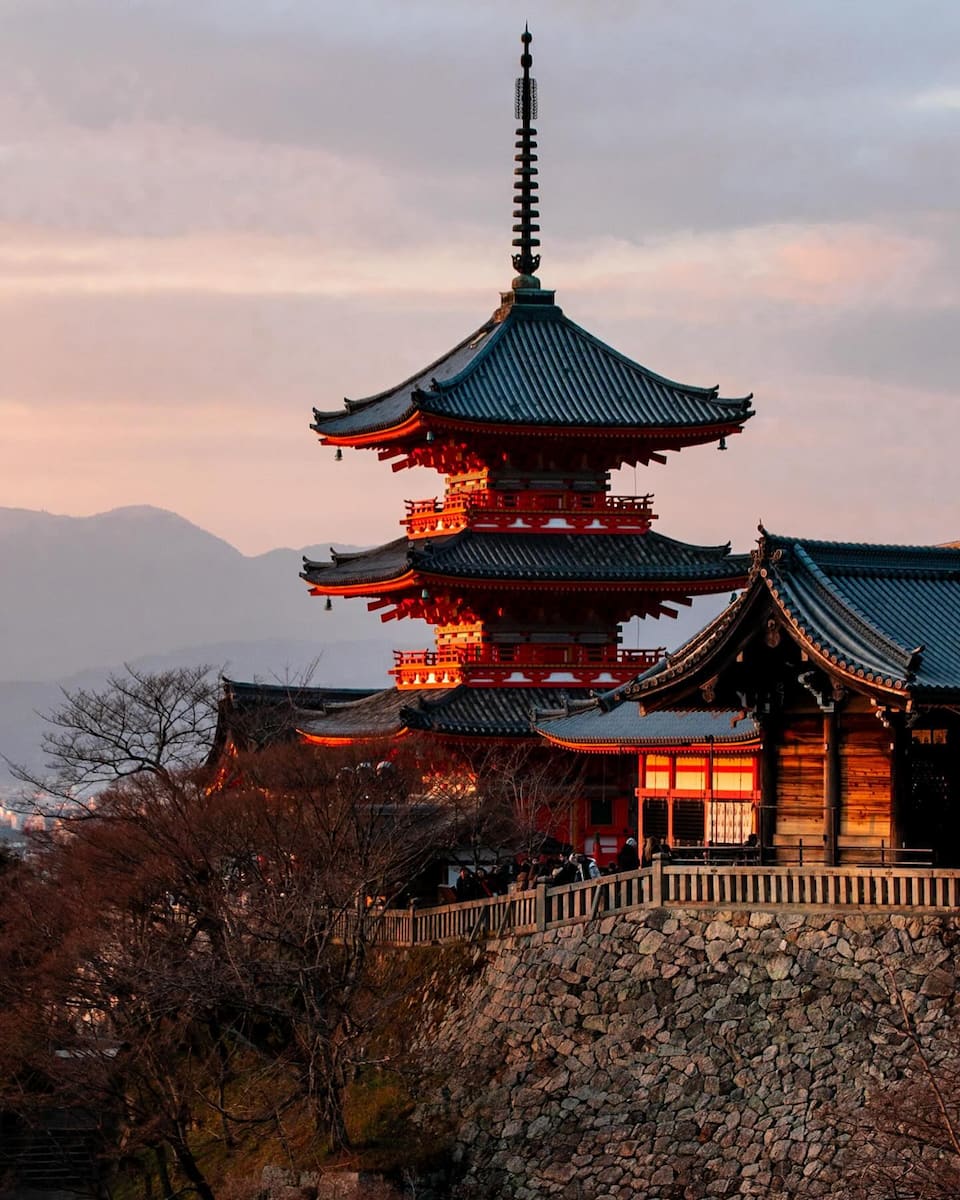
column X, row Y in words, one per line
column 526, row 565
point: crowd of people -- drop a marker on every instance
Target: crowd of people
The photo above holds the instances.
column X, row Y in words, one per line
column 527, row 871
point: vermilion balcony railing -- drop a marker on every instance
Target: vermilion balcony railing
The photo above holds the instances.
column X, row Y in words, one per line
column 537, row 510
column 522, row 664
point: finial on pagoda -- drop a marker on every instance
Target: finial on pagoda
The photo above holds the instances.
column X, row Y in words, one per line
column 525, row 214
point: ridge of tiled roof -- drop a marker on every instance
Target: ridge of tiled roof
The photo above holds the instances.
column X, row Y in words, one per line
column 377, row 715
column 452, row 361
column 483, row 711
column 685, row 656
column 379, row 563
column 812, row 599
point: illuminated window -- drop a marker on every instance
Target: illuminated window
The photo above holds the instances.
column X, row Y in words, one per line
column 691, row 774
column 928, row 737
column 733, row 774
column 657, row 771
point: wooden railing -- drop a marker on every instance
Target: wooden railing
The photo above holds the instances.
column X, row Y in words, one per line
column 489, row 508
column 530, row 663
column 662, row 886
column 531, row 655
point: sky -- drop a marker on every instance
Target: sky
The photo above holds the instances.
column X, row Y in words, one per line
column 217, row 214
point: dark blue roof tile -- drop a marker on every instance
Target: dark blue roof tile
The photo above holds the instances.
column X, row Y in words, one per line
column 588, row 724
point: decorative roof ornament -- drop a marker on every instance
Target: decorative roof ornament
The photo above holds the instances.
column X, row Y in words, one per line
column 526, row 214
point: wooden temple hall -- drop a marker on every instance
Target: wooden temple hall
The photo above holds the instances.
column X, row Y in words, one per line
column 815, row 718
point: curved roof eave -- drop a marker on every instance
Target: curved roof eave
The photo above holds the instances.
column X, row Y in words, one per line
column 650, row 403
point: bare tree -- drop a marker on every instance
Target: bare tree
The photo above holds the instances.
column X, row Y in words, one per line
column 337, row 839
column 159, row 723
column 188, row 960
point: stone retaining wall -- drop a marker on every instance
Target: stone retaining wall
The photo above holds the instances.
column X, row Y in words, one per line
column 684, row 1053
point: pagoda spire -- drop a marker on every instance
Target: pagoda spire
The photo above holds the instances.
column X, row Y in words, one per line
column 526, row 214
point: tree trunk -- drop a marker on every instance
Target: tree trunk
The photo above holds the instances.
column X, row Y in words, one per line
column 191, row 1168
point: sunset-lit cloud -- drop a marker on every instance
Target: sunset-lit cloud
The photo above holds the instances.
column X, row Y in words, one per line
column 215, row 214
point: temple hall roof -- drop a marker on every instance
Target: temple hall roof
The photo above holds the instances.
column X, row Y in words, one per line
column 597, row 558
column 585, row 725
column 535, row 367
column 460, row 711
column 376, row 715
column 888, row 616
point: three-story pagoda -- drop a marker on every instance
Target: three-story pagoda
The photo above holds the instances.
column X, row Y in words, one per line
column 527, row 565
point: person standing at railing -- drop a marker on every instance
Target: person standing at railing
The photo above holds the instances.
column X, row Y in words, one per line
column 466, row 886
column 587, row 868
column 628, row 857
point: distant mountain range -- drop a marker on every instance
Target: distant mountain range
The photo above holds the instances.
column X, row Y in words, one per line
column 82, row 595
column 82, row 592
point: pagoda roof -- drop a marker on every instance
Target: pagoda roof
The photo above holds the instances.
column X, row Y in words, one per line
column 582, row 558
column 530, row 365
column 460, row 711
column 584, row 724
column 885, row 617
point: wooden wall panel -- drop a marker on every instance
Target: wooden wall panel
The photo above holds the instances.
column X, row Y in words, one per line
column 865, row 779
column 800, row 780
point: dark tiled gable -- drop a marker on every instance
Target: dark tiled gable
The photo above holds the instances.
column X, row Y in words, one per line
column 595, row 557
column 886, row 615
column 536, row 367
column 890, row 614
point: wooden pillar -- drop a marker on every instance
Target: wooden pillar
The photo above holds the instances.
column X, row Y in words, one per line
column 768, row 790
column 831, row 786
column 671, row 788
column 899, row 782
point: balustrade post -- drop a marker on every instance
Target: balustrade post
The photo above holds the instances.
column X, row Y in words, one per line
column 540, row 906
column 413, row 923
column 656, row 880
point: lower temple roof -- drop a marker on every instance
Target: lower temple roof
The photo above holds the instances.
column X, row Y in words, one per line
column 460, row 711
column 586, row 726
column 252, row 714
column 564, row 716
